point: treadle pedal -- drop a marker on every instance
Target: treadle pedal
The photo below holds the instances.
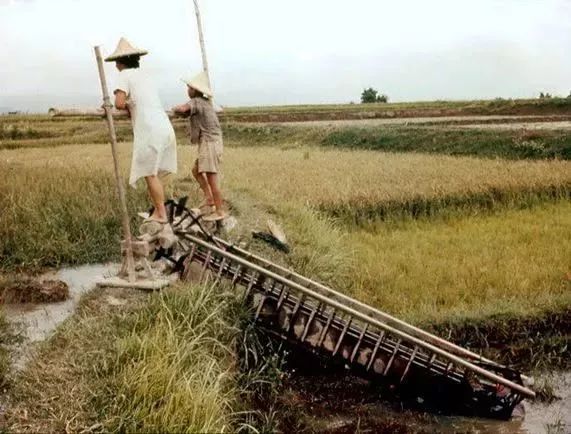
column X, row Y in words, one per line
column 179, row 265
column 181, row 206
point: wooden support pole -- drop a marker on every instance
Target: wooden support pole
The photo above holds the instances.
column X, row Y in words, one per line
column 201, row 39
column 129, row 262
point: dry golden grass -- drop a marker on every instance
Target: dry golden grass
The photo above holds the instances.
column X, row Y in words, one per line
column 328, row 177
column 324, row 176
column 56, row 210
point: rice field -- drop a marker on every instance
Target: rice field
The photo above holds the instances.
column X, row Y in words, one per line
column 436, row 239
column 515, row 263
column 484, row 256
column 353, row 182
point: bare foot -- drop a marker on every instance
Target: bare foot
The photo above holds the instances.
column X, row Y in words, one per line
column 158, row 218
column 215, row 216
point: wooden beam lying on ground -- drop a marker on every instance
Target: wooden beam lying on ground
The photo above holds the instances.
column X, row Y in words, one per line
column 91, row 112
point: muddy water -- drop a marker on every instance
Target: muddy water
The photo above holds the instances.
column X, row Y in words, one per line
column 343, row 404
column 36, row 322
column 534, row 417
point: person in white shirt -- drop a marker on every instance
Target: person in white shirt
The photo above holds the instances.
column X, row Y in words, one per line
column 154, row 141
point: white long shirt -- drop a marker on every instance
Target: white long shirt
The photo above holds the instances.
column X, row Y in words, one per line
column 154, row 143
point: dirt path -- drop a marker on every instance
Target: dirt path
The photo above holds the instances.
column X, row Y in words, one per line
column 477, row 122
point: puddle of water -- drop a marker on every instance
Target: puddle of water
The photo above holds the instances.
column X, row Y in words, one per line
column 36, row 322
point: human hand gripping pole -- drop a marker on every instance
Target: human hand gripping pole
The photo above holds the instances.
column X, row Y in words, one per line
column 128, row 266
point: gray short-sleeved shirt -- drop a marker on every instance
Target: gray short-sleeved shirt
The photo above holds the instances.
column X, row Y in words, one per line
column 204, row 124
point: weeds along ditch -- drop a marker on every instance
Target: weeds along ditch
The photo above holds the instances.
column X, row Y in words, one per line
column 161, row 362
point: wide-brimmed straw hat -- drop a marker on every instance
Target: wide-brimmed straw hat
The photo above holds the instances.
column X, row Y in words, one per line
column 125, row 49
column 200, row 83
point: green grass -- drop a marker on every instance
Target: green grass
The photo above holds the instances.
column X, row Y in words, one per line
column 161, row 362
column 485, row 143
column 436, row 139
column 481, row 143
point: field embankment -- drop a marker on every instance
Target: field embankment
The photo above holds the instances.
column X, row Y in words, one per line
column 553, row 106
column 421, row 137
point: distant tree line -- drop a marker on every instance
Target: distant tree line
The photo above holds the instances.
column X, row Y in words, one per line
column 547, row 95
column 371, row 95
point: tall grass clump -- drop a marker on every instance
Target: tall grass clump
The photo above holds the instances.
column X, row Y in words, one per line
column 164, row 364
column 172, row 372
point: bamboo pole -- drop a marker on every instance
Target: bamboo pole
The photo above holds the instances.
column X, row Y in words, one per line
column 202, row 45
column 129, row 262
column 56, row 112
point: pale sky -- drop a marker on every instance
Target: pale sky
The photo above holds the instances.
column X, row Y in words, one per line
column 289, row 52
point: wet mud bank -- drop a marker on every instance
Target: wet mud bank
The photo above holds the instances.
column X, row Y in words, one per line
column 30, row 290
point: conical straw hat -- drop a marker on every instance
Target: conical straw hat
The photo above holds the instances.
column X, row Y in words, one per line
column 124, row 49
column 200, row 83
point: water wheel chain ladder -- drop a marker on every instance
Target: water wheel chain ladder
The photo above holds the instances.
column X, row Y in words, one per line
column 335, row 326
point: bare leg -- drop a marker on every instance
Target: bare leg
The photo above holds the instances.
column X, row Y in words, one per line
column 203, row 183
column 216, row 193
column 157, row 194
